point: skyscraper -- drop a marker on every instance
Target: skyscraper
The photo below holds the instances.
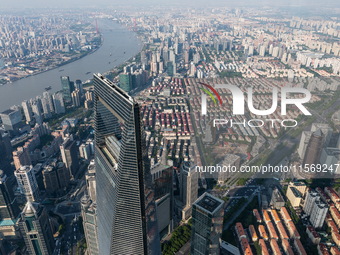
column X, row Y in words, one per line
column 26, row 106
column 188, row 188
column 58, row 103
column 125, row 81
column 207, row 225
column 11, row 119
column 35, row 227
column 27, row 183
column 8, row 205
column 69, row 154
column 315, row 208
column 76, row 98
column 67, row 87
column 125, row 198
column 314, row 147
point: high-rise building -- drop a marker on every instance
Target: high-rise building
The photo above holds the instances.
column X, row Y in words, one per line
column 89, row 211
column 313, row 149
column 27, row 183
column 125, row 81
column 49, row 99
column 188, row 188
column 67, row 87
column 162, row 177
column 8, row 206
column 123, row 174
column 207, row 225
column 79, row 85
column 21, row 157
column 11, row 119
column 5, row 153
column 26, row 106
column 69, row 154
column 315, row 208
column 76, row 98
column 58, row 103
column 36, row 230
column 37, row 110
column 89, row 214
column 56, row 177
column 318, row 215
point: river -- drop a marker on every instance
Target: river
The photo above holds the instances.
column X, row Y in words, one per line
column 119, row 45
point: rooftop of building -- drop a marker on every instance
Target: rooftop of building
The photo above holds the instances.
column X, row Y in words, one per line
column 209, row 202
column 8, row 111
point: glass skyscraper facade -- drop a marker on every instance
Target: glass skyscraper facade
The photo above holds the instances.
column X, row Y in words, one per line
column 126, row 213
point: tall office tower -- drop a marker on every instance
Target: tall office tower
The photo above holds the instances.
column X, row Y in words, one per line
column 326, row 130
column 26, row 106
column 49, row 99
column 76, row 98
column 125, row 198
column 11, row 119
column 6, row 153
column 36, row 230
column 207, row 225
column 143, row 58
column 313, row 149
column 188, row 188
column 89, row 214
column 79, row 85
column 46, row 108
column 56, row 178
column 58, row 103
column 89, row 211
column 162, row 177
column 8, row 206
column 27, row 183
column 37, row 110
column 69, row 154
column 125, row 81
column 67, row 87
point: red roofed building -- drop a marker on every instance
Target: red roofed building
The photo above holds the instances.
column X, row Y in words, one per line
column 335, row 215
column 253, row 233
column 272, row 231
column 266, row 217
column 263, row 246
column 257, row 215
column 286, row 247
column 335, row 250
column 313, row 235
column 299, row 247
column 285, row 215
column 275, row 247
column 322, row 249
column 282, row 231
column 336, row 238
column 246, row 247
column 240, row 231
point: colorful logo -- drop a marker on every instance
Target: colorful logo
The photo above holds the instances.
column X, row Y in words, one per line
column 214, row 97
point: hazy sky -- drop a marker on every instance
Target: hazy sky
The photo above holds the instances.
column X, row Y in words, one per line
column 105, row 3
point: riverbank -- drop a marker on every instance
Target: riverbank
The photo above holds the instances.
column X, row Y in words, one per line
column 115, row 40
column 60, row 65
